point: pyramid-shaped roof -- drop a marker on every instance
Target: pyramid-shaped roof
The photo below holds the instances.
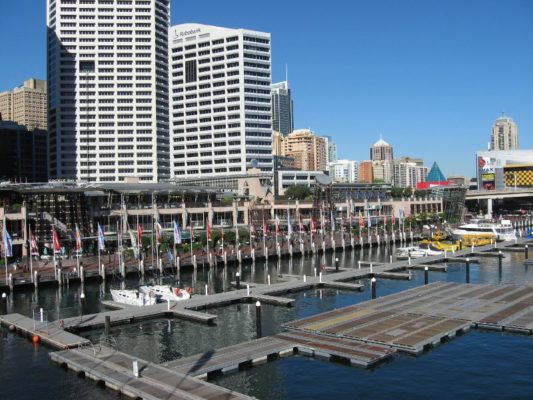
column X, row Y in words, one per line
column 435, row 174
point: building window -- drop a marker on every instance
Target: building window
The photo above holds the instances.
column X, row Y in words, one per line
column 190, row 71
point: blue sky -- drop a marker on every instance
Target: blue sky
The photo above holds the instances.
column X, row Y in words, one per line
column 429, row 76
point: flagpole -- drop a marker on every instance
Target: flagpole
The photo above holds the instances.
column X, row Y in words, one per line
column 5, row 246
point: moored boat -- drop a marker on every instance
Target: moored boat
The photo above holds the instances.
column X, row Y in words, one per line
column 499, row 231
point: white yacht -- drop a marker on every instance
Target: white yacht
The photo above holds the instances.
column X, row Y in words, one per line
column 164, row 293
column 416, row 252
column 132, row 297
column 501, row 231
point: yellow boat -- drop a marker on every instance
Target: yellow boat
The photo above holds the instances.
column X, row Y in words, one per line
column 478, row 239
column 440, row 245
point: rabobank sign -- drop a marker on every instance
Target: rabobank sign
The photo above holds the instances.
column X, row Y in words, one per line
column 187, row 32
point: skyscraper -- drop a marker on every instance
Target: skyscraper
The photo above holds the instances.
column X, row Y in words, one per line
column 504, row 134
column 220, row 99
column 26, row 105
column 382, row 152
column 108, row 89
column 282, row 108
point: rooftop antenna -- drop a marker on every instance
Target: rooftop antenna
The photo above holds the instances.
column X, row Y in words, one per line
column 287, row 75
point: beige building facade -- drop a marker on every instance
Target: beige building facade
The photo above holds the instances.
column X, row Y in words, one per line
column 26, row 105
column 308, row 150
column 504, row 134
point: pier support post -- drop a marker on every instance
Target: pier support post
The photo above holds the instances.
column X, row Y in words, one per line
column 352, row 243
column 107, row 325
column 268, row 279
column 467, row 270
column 323, row 247
column 472, row 249
column 194, row 262
column 305, row 278
column 361, row 241
column 378, row 239
column 426, row 275
column 225, row 258
column 252, row 253
column 3, row 304
column 302, row 249
column 102, row 272
column 161, row 267
column 278, row 249
column 320, row 277
column 343, row 244
column 135, row 366
column 266, row 253
column 239, row 256
column 178, row 264
column 238, row 280
column 371, row 268
column 370, row 240
column 206, row 290
column 258, row 319
column 359, row 264
column 500, row 257
column 526, row 252
column 36, row 279
column 333, row 245
column 82, row 274
column 336, row 265
column 390, row 257
column 313, row 249
column 248, row 290
column 290, row 250
column 373, row 287
column 11, row 282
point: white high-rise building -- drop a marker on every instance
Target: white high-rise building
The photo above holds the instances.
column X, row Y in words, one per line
column 108, row 89
column 221, row 117
column 346, row 171
column 409, row 173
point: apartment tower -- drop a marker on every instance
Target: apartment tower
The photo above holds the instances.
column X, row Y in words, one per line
column 221, row 118
column 108, row 89
column 282, row 108
column 504, row 134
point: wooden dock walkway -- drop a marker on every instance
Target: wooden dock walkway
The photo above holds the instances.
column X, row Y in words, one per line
column 244, row 355
column 49, row 333
column 114, row 369
column 415, row 319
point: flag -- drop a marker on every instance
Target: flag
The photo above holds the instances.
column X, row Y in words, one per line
column 265, row 229
column 158, row 230
column 55, row 241
column 8, row 243
column 101, row 238
column 34, row 246
column 208, row 231
column 332, row 221
column 177, row 233
column 139, row 234
column 289, row 224
column 134, row 242
column 78, row 239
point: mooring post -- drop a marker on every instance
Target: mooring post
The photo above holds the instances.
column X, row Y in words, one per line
column 253, row 255
column 238, row 280
column 258, row 318
column 305, row 278
column 320, row 277
column 268, row 279
column 36, row 279
column 390, row 257
column 206, row 289
column 11, row 282
column 3, row 304
column 467, row 270
column 371, row 266
column 336, row 265
column 82, row 274
column 194, row 263
column 107, row 325
column 373, row 287
column 500, row 257
column 248, row 290
column 102, row 272
column 359, row 264
column 135, row 366
column 460, row 244
column 426, row 275
column 526, row 252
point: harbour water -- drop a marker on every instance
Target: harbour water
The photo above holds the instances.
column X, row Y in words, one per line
column 475, row 365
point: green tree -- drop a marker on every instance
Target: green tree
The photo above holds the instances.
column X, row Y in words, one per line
column 408, row 191
column 297, row 192
column 396, row 192
column 420, row 193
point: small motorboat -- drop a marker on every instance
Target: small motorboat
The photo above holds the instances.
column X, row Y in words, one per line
column 164, row 293
column 133, row 297
column 416, row 252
